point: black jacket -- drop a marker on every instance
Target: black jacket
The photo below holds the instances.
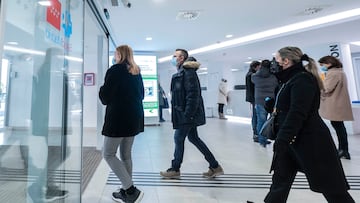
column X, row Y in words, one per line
column 186, row 100
column 308, row 137
column 250, row 88
column 122, row 93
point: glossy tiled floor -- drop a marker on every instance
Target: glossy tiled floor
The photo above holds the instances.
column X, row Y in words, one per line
column 245, row 163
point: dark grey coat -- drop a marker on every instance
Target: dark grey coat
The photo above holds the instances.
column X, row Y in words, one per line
column 122, row 93
column 186, row 100
column 265, row 84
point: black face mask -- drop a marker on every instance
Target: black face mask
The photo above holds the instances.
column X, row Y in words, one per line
column 275, row 67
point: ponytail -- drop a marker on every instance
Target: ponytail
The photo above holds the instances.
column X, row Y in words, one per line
column 312, row 68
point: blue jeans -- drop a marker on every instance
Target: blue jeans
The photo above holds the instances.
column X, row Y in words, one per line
column 261, row 115
column 191, row 133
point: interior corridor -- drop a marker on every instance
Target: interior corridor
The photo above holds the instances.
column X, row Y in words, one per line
column 246, row 165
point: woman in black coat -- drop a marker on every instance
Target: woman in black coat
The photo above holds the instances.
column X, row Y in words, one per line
column 122, row 93
column 303, row 142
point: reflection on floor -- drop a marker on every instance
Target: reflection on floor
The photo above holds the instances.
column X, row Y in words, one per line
column 246, row 166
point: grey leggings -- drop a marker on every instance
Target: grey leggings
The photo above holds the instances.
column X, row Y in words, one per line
column 121, row 167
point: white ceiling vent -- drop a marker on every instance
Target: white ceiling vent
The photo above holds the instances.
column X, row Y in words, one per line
column 312, row 10
column 187, row 15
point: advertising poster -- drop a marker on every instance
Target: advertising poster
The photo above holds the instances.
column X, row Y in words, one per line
column 148, row 68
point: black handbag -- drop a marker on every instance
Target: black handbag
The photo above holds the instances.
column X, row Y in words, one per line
column 268, row 128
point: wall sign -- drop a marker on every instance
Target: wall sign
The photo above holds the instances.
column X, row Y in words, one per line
column 89, row 79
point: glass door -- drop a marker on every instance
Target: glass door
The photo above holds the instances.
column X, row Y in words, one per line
column 41, row 47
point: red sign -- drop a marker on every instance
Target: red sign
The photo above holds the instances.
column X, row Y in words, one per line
column 53, row 14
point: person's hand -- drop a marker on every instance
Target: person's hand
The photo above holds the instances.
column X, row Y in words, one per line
column 269, row 104
column 280, row 146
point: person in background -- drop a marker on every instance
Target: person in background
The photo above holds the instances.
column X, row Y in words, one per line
column 162, row 105
column 303, row 141
column 250, row 96
column 123, row 94
column 335, row 102
column 265, row 83
column 187, row 114
column 222, row 97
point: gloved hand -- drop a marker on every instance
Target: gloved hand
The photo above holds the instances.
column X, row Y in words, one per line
column 280, row 146
column 269, row 104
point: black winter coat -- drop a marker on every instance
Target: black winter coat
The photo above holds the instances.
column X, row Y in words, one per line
column 309, row 138
column 186, row 100
column 250, row 88
column 122, row 93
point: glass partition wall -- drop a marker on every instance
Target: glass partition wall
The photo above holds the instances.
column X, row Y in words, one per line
column 41, row 77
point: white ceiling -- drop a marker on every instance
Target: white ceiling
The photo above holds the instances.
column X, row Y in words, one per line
column 157, row 19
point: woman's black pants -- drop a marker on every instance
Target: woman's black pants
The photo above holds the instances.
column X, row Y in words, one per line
column 341, row 134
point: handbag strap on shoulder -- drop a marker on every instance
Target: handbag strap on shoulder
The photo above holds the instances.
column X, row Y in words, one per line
column 275, row 111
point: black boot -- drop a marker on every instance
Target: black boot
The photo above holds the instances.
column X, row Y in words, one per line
column 344, row 154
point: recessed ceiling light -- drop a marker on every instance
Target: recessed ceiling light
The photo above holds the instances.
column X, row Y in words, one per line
column 148, row 38
column 228, row 36
column 355, row 43
column 44, row 3
column 12, row 43
column 234, row 69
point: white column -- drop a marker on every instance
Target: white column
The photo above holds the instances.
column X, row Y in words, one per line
column 342, row 51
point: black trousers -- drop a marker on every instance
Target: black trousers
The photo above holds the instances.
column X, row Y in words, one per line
column 285, row 169
column 161, row 113
column 341, row 134
column 221, row 108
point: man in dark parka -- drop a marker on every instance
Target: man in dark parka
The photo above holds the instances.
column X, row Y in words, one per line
column 187, row 114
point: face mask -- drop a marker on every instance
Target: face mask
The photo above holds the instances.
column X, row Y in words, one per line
column 173, row 61
column 275, row 66
column 113, row 61
column 323, row 69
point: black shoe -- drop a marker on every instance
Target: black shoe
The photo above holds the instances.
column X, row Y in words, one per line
column 54, row 193
column 161, row 120
column 344, row 154
column 134, row 197
column 255, row 138
column 119, row 196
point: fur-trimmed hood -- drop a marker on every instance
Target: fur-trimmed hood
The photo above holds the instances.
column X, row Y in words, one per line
column 191, row 64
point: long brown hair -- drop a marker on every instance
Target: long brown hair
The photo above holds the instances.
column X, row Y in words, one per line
column 127, row 56
column 335, row 63
column 296, row 56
